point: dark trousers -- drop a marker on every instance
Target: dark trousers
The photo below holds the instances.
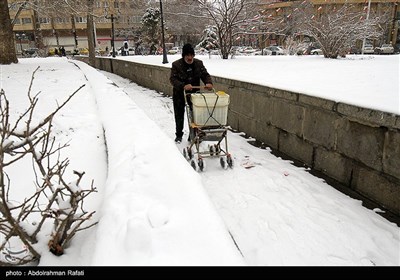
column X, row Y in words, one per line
column 179, row 112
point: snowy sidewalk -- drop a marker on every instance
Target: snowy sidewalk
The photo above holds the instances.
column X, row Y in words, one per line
column 155, row 211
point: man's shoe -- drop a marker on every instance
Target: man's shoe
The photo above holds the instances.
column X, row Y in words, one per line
column 178, row 139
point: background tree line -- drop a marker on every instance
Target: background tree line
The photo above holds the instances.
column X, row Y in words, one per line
column 334, row 27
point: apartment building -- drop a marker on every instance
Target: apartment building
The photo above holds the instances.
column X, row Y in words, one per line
column 285, row 8
column 66, row 25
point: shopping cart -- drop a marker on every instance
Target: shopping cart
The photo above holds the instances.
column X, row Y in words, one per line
column 207, row 118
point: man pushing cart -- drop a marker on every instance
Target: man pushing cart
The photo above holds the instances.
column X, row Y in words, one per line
column 208, row 119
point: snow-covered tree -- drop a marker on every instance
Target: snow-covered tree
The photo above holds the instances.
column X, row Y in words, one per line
column 227, row 15
column 209, row 40
column 278, row 22
column 184, row 21
column 336, row 27
column 151, row 27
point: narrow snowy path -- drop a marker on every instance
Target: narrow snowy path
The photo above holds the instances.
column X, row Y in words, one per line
column 277, row 213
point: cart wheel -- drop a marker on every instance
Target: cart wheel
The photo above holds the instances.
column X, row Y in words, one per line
column 185, row 155
column 217, row 149
column 193, row 164
column 192, row 134
column 211, row 148
column 200, row 163
column 189, row 152
column 229, row 161
column 223, row 163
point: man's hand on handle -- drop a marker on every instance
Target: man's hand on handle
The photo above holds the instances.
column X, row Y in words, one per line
column 208, row 86
column 189, row 87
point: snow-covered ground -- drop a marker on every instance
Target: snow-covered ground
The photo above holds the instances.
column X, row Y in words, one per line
column 154, row 209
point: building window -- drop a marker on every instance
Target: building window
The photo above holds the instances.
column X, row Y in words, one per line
column 44, row 20
column 80, row 19
column 61, row 20
column 17, row 21
column 116, row 4
column 26, row 20
column 13, row 7
column 135, row 19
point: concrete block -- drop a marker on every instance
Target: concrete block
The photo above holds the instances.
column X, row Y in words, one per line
column 288, row 116
column 295, row 147
column 317, row 102
column 333, row 164
column 247, row 125
column 381, row 189
column 262, row 109
column 362, row 143
column 391, row 153
column 367, row 116
column 267, row 134
column 283, row 94
column 233, row 119
column 245, row 103
column 320, row 127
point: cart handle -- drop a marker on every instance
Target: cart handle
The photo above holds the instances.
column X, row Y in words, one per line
column 200, row 87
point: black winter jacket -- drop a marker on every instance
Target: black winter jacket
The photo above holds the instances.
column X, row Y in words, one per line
column 183, row 74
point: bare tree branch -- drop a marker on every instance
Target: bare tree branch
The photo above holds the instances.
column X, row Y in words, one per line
column 50, row 197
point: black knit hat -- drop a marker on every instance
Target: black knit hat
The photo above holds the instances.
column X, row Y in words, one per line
column 187, row 49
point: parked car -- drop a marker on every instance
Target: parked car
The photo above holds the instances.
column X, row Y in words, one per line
column 271, row 50
column 385, row 49
column 247, row 50
column 274, row 50
column 100, row 51
column 131, row 51
column 300, row 50
column 368, row 49
column 31, row 52
column 117, row 52
column 51, row 51
column 316, row 52
column 264, row 51
column 83, row 51
column 200, row 51
column 174, row 50
column 354, row 50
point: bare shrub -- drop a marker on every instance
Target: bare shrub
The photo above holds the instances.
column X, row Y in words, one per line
column 50, row 204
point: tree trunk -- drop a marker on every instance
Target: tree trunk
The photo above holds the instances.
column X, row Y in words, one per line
column 74, row 33
column 8, row 53
column 38, row 31
column 90, row 33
